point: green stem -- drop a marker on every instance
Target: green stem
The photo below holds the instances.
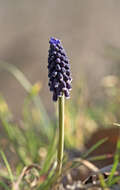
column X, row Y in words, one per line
column 61, row 134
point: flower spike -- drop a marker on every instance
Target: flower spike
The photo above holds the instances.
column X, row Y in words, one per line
column 58, row 70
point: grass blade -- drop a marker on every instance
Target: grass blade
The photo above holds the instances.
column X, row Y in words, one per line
column 115, row 164
column 102, row 182
column 94, row 147
column 100, row 157
column 7, row 166
column 28, row 87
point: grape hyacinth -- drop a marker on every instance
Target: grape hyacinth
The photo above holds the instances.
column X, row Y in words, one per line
column 58, row 70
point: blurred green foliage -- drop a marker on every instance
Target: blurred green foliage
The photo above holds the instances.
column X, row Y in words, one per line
column 34, row 138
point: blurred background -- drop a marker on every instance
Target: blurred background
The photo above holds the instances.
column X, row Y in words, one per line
column 89, row 31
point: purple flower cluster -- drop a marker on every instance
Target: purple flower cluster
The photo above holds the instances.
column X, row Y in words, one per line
column 58, row 70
